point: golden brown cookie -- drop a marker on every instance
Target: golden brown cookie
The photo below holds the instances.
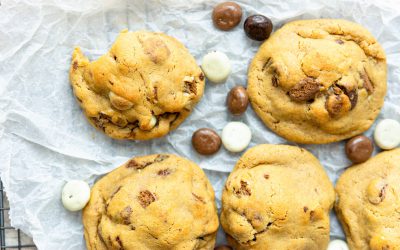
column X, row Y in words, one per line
column 318, row 81
column 368, row 204
column 144, row 87
column 152, row 202
column 277, row 197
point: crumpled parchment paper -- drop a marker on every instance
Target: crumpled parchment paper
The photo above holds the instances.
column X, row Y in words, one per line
column 46, row 140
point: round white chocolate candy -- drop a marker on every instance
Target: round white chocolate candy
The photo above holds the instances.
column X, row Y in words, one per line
column 337, row 245
column 236, row 136
column 75, row 195
column 387, row 134
column 216, row 66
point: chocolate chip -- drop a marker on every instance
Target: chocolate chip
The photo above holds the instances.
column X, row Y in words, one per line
column 367, row 82
column 164, row 172
column 266, row 176
column 244, row 189
column 382, row 193
column 350, row 91
column 337, row 105
column 201, row 76
column 275, row 81
column 376, row 191
column 267, row 64
column 312, row 214
column 161, row 158
column 258, row 27
column 199, row 198
column 133, row 164
column 75, row 65
column 121, row 247
column 339, row 41
column 237, row 100
column 227, row 15
column 146, row 198
column 305, row 209
column 353, row 96
column 359, row 149
column 155, row 93
column 101, row 120
column 126, row 214
column 206, row 141
column 190, row 86
column 304, row 90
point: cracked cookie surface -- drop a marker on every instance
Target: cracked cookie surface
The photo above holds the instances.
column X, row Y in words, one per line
column 152, row 202
column 368, row 204
column 144, row 87
column 318, row 81
column 277, row 197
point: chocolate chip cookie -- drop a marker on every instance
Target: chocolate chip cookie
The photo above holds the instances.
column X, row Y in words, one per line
column 144, row 87
column 152, row 202
column 277, row 197
column 318, row 81
column 368, row 204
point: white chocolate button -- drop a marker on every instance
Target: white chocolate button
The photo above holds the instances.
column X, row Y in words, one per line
column 337, row 245
column 216, row 66
column 387, row 134
column 236, row 136
column 75, row 195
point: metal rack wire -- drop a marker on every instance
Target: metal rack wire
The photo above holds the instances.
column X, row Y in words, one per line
column 7, row 232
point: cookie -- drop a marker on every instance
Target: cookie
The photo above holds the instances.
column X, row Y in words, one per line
column 277, row 197
column 318, row 81
column 368, row 203
column 144, row 87
column 152, row 202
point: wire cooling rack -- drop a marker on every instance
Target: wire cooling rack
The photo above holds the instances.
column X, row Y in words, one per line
column 11, row 238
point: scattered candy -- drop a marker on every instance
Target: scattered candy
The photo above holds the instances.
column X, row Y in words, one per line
column 359, row 149
column 387, row 134
column 206, row 141
column 75, row 195
column 237, row 100
column 236, row 136
column 258, row 27
column 227, row 15
column 216, row 66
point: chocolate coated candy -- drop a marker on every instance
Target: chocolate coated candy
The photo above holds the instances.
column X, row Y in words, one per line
column 258, row 27
column 206, row 141
column 227, row 15
column 237, row 100
column 359, row 149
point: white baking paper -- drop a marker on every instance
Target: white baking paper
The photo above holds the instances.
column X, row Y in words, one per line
column 45, row 138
